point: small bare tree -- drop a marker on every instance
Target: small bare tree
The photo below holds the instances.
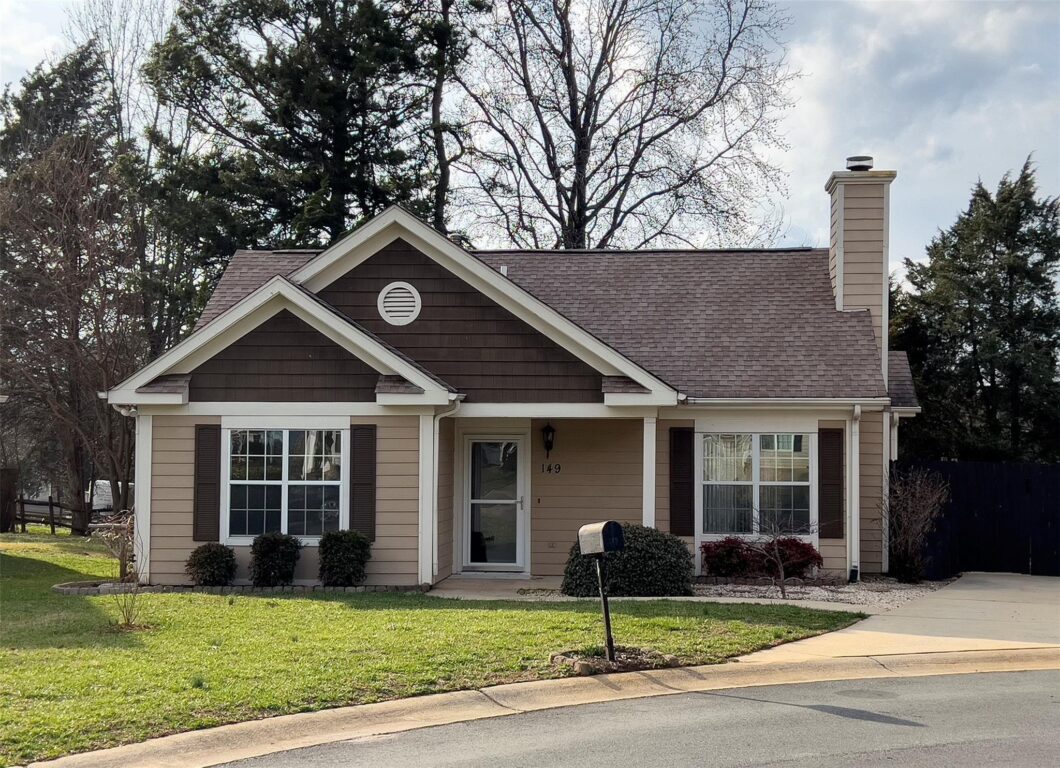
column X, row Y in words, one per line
column 916, row 499
column 610, row 123
column 779, row 558
column 118, row 534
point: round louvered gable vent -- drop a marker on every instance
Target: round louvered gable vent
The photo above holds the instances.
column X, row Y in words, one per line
column 399, row 303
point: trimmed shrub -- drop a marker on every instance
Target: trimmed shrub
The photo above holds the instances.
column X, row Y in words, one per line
column 343, row 556
column 211, row 565
column 799, row 558
column 273, row 557
column 729, row 558
column 734, row 557
column 653, row 564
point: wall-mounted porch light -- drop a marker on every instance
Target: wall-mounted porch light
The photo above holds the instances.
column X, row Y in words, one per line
column 548, row 433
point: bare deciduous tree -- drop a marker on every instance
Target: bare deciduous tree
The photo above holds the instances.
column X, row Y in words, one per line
column 71, row 328
column 916, row 499
column 606, row 123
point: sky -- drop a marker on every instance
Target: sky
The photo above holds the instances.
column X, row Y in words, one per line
column 945, row 93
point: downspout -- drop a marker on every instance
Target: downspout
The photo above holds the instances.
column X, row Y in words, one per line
column 855, row 495
column 434, row 479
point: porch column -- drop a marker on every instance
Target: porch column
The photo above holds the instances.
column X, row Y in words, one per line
column 426, row 502
column 142, row 498
column 854, row 473
column 648, row 502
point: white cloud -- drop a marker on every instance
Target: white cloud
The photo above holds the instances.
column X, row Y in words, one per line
column 30, row 31
column 945, row 93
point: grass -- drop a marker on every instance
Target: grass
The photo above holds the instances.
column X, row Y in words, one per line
column 71, row 681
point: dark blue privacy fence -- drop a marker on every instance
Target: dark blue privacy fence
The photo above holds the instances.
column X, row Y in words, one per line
column 1001, row 517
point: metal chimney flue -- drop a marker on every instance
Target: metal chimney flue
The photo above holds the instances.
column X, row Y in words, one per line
column 859, row 163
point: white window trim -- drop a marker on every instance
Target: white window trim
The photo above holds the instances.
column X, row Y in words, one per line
column 756, row 482
column 286, row 424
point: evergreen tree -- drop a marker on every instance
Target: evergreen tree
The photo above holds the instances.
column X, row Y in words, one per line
column 982, row 328
column 323, row 101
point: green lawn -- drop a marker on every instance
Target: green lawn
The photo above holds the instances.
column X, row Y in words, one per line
column 70, row 681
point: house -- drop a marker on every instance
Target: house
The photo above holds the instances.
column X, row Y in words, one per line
column 468, row 411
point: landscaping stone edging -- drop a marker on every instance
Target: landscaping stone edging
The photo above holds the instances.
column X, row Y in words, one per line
column 114, row 588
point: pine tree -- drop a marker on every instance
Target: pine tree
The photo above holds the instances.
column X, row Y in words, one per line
column 982, row 328
column 323, row 101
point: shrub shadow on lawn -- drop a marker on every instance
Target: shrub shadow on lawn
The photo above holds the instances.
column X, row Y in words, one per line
column 37, row 617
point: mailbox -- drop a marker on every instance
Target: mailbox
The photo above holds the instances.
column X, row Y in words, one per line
column 598, row 538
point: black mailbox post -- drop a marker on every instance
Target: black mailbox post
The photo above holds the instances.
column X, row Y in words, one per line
column 596, row 540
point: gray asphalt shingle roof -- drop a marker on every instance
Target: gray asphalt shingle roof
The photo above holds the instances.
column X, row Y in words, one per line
column 900, row 378
column 712, row 324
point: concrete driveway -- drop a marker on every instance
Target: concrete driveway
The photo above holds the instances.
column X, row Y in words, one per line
column 978, row 612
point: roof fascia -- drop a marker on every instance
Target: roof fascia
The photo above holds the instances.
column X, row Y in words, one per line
column 275, row 295
column 396, row 223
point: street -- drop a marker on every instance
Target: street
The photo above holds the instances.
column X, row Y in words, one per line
column 985, row 720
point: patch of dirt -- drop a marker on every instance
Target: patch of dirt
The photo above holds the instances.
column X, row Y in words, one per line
column 627, row 659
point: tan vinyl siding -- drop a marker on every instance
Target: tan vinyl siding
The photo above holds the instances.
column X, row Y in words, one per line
column 864, row 270
column 662, row 469
column 446, row 456
column 600, row 479
column 394, row 553
column 871, row 469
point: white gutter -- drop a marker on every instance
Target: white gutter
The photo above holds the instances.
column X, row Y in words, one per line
column 434, row 477
column 798, row 402
column 855, row 495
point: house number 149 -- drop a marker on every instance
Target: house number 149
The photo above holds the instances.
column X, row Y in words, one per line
column 550, row 469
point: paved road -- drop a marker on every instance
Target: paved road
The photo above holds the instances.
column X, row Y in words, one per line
column 985, row 721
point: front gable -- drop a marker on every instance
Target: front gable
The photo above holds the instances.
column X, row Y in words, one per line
column 471, row 342
column 283, row 360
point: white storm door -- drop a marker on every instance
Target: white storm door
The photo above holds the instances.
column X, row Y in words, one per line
column 494, row 510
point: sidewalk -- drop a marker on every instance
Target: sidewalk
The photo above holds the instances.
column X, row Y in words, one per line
column 978, row 612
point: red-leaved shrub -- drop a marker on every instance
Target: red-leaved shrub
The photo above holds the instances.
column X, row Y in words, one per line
column 734, row 557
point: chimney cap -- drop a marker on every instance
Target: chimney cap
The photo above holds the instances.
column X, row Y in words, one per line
column 859, row 163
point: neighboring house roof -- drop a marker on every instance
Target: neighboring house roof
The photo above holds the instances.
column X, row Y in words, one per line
column 900, row 378
column 715, row 324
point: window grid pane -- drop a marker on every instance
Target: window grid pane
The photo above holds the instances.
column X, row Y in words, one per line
column 258, row 489
column 781, row 484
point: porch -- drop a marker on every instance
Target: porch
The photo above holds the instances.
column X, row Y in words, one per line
column 508, row 507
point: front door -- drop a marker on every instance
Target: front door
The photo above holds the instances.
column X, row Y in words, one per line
column 493, row 510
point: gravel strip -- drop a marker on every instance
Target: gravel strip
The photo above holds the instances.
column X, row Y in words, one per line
column 877, row 591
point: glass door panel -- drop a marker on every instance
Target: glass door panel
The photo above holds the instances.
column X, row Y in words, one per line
column 494, row 503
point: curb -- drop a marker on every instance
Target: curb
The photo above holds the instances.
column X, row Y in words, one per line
column 118, row 588
column 227, row 743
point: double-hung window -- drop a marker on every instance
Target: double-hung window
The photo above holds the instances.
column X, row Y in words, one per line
column 757, row 483
column 287, row 480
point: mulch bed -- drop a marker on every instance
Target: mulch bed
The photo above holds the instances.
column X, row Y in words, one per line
column 627, row 659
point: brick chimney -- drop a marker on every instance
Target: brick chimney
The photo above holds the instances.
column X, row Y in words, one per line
column 858, row 243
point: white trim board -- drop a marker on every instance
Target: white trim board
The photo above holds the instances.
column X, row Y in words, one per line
column 396, row 222
column 271, row 298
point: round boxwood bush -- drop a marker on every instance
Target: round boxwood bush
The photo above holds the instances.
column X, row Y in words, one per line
column 211, row 565
column 653, row 564
column 273, row 557
column 343, row 556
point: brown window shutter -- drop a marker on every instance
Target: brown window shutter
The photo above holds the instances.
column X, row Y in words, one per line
column 830, row 452
column 362, row 479
column 682, row 481
column 206, row 521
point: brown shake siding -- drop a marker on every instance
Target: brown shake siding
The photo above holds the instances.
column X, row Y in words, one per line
column 394, row 553
column 834, row 551
column 468, row 340
column 599, row 479
column 446, row 457
column 283, row 359
column 871, row 469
